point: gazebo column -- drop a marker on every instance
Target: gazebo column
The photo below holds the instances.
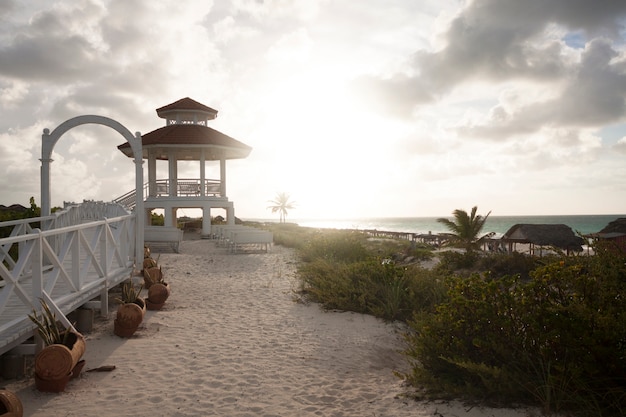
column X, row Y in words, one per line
column 152, row 187
column 173, row 173
column 222, row 177
column 230, row 215
column 170, row 217
column 202, row 174
column 206, row 221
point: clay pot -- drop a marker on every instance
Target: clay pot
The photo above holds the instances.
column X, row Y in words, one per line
column 149, row 263
column 129, row 317
column 159, row 293
column 56, row 361
column 10, row 405
column 153, row 306
column 52, row 385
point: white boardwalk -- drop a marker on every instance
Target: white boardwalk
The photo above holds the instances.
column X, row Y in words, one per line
column 75, row 259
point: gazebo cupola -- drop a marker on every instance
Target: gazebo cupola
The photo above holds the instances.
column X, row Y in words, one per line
column 186, row 137
column 186, row 111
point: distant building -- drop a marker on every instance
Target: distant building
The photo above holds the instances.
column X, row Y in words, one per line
column 612, row 236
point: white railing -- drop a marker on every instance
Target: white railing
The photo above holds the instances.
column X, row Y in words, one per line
column 182, row 188
column 185, row 187
column 65, row 266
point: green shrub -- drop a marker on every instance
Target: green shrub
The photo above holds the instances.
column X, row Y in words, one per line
column 345, row 286
column 501, row 264
column 340, row 247
column 371, row 286
column 451, row 261
column 558, row 340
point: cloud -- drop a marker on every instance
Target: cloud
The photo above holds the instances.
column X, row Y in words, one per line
column 620, row 146
column 49, row 47
column 496, row 41
column 593, row 95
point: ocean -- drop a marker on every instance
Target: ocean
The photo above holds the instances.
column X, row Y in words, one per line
column 498, row 224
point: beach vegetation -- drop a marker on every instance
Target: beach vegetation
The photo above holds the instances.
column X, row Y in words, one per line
column 465, row 228
column 496, row 264
column 348, row 270
column 556, row 340
column 497, row 328
column 156, row 219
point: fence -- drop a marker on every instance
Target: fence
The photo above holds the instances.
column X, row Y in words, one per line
column 77, row 255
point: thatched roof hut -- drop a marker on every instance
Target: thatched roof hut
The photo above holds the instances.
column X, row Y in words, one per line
column 617, row 226
column 551, row 235
column 613, row 234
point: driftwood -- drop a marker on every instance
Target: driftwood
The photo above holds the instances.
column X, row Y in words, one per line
column 104, row 368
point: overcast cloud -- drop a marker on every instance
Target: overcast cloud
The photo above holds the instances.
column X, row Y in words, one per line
column 369, row 108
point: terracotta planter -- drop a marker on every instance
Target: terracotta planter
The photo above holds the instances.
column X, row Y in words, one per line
column 52, row 385
column 129, row 317
column 149, row 263
column 158, row 293
column 153, row 306
column 57, row 361
column 10, row 404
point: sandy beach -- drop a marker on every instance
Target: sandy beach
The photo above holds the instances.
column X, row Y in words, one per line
column 233, row 340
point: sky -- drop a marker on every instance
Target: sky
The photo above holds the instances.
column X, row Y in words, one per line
column 369, row 108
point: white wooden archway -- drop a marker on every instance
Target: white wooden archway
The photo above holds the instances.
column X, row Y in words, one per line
column 49, row 140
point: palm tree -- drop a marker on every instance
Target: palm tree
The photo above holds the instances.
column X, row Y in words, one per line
column 281, row 204
column 466, row 228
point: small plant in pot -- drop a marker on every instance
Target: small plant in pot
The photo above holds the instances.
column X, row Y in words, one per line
column 60, row 359
column 131, row 311
column 149, row 264
column 158, row 289
column 152, row 276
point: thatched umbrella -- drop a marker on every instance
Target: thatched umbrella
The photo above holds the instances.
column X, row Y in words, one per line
column 556, row 235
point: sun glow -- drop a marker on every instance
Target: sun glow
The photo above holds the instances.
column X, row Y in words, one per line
column 326, row 146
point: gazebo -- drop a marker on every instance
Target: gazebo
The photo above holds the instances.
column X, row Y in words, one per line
column 186, row 137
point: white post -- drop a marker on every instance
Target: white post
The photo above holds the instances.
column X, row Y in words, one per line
column 222, row 177
column 152, row 187
column 46, row 206
column 139, row 210
column 206, row 221
column 202, row 173
column 173, row 173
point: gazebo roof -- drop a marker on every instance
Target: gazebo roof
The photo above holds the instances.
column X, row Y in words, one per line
column 186, row 105
column 189, row 141
column 187, row 136
column 558, row 235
